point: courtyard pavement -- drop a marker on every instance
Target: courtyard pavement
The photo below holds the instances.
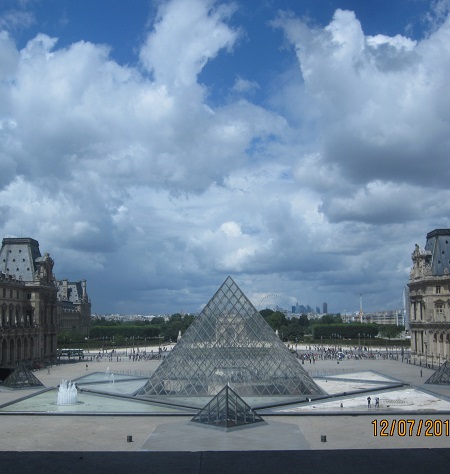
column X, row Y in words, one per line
column 358, row 429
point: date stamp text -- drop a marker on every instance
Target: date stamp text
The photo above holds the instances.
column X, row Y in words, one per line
column 405, row 427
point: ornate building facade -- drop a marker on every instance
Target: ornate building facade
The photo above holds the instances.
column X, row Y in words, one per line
column 429, row 298
column 35, row 307
column 74, row 307
column 28, row 301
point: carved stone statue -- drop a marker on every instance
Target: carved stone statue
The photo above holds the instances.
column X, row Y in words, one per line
column 421, row 263
column 44, row 272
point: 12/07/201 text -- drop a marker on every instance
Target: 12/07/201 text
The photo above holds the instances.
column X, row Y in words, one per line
column 411, row 427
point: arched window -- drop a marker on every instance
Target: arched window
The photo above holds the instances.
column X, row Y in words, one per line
column 4, row 315
column 11, row 315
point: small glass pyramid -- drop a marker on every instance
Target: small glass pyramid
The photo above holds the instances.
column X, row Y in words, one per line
column 230, row 343
column 22, row 377
column 441, row 376
column 227, row 410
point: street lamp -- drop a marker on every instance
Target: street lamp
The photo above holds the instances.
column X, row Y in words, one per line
column 426, row 354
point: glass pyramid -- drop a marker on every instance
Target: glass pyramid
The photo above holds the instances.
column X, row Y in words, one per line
column 441, row 376
column 22, row 377
column 227, row 410
column 230, row 343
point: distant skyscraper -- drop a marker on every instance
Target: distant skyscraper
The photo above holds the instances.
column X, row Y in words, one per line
column 325, row 308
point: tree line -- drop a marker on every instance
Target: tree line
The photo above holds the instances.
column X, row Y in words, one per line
column 329, row 326
column 119, row 333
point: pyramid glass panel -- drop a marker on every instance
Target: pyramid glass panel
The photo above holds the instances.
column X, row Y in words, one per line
column 441, row 376
column 22, row 377
column 227, row 410
column 230, row 343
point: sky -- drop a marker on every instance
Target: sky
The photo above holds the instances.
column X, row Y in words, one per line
column 155, row 147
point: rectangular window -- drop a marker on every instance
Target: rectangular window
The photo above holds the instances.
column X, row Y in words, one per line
column 438, row 289
column 439, row 311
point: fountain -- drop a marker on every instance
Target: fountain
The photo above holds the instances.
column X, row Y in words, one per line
column 67, row 393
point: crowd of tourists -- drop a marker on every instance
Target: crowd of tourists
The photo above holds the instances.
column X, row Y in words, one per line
column 134, row 355
column 314, row 353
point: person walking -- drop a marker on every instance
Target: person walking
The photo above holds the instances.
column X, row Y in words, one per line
column 368, row 402
column 377, row 402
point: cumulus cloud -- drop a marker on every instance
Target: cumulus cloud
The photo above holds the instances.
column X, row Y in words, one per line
column 132, row 179
column 14, row 20
column 242, row 86
column 190, row 33
column 382, row 100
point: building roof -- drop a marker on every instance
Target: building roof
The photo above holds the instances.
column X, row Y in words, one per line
column 438, row 243
column 18, row 257
column 72, row 292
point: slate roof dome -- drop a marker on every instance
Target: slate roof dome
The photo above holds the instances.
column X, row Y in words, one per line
column 438, row 243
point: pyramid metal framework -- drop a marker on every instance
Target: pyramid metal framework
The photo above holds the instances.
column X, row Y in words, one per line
column 227, row 410
column 22, row 377
column 441, row 376
column 230, row 343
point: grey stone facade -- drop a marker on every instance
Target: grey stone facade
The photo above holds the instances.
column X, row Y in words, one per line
column 35, row 307
column 429, row 299
column 74, row 307
column 28, row 322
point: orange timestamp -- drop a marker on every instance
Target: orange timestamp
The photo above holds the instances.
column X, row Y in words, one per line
column 404, row 427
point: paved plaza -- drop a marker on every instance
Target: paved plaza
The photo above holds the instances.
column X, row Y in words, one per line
column 344, row 422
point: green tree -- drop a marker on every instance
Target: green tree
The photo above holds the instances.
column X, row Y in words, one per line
column 293, row 330
column 158, row 320
column 276, row 320
column 390, row 330
column 331, row 319
column 266, row 312
column 303, row 321
column 352, row 330
column 69, row 338
column 187, row 320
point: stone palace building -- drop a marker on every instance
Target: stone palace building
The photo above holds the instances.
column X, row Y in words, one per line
column 34, row 305
column 429, row 296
